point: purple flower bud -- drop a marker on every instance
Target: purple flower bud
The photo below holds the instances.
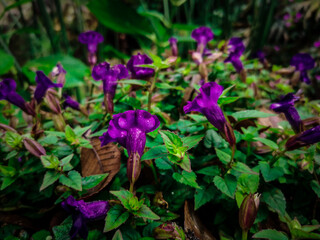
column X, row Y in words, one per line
column 34, row 147
column 298, row 16
column 82, row 212
column 305, row 138
column 43, row 83
column 236, row 48
column 70, row 102
column 303, row 62
column 59, row 72
column 207, row 103
column 316, row 44
column 202, row 35
column 169, row 230
column 248, row 211
column 286, row 106
column 140, row 72
column 8, row 92
column 91, row 39
column 173, row 44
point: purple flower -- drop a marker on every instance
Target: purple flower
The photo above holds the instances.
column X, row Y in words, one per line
column 298, row 17
column 43, row 83
column 109, row 76
column 91, row 39
column 207, row 103
column 305, row 138
column 303, row 62
column 286, row 106
column 316, row 44
column 236, row 48
column 59, row 72
column 82, row 212
column 129, row 130
column 140, row 72
column 261, row 56
column 8, row 92
column 286, row 17
column 202, row 35
column 70, row 102
column 173, row 44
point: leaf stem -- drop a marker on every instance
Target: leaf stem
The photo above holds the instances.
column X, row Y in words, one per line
column 244, row 235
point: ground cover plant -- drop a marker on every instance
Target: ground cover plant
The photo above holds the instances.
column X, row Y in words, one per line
column 198, row 134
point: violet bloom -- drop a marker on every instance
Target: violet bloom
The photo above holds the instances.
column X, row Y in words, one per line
column 173, row 44
column 202, row 35
column 82, row 212
column 70, row 102
column 236, row 48
column 8, row 92
column 140, row 72
column 91, row 39
column 316, row 44
column 43, row 84
column 207, row 103
column 59, row 72
column 303, row 62
column 305, row 138
column 129, row 130
column 109, row 76
column 286, row 106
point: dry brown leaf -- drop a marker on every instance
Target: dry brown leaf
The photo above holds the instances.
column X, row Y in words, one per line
column 99, row 160
column 270, row 121
column 193, row 225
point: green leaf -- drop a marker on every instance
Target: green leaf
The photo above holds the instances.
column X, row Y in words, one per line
column 66, row 160
column 227, row 100
column 227, row 185
column 73, row 180
column 248, row 183
column 70, row 134
column 164, row 85
column 315, row 187
column 184, row 163
column 93, row 180
column 49, row 178
column 146, row 212
column 13, row 139
column 50, row 162
column 124, row 196
column 7, row 181
column 7, row 62
column 76, row 70
column 243, row 168
column 300, row 234
column 117, row 236
column 41, row 235
column 270, row 174
column 187, row 178
column 202, row 196
column 172, row 142
column 210, row 171
column 250, row 114
column 134, row 82
column 224, row 157
column 191, row 141
column 267, row 142
column 155, row 152
column 61, row 232
column 213, row 139
column 275, row 199
column 225, row 91
column 163, row 163
column 115, row 217
column 270, row 234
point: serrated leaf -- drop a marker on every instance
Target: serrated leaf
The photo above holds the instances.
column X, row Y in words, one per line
column 202, row 196
column 124, row 196
column 116, row 216
column 267, row 142
column 210, row 171
column 191, row 141
column 227, row 185
column 163, row 163
column 155, row 152
column 187, row 178
column 66, row 160
column 146, row 212
column 250, row 114
column 184, row 163
column 224, row 157
column 73, row 180
column 275, row 199
column 49, row 178
column 70, row 134
column 243, row 168
column 270, row 174
column 248, row 183
column 92, row 181
column 50, row 162
column 173, row 143
column 13, row 139
column 61, row 232
column 270, row 234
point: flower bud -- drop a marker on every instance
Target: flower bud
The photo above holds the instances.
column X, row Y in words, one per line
column 248, row 211
column 168, row 230
column 228, row 134
column 133, row 167
column 34, row 147
column 53, row 101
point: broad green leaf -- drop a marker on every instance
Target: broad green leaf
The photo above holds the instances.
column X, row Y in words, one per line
column 73, row 180
column 243, row 168
column 315, row 187
column 213, row 139
column 202, row 196
column 50, row 162
column 116, row 216
column 155, row 152
column 146, row 212
column 70, row 134
column 134, row 82
column 7, row 62
column 76, row 70
column 13, row 139
column 250, row 114
column 7, row 181
column 191, row 141
column 187, row 178
column 117, row 236
column 224, row 157
column 300, row 234
column 275, row 199
column 93, row 180
column 227, row 185
column 184, row 163
column 270, row 174
column 210, row 171
column 172, row 141
column 7, row 171
column 163, row 163
column 124, row 196
column 66, row 160
column 270, row 234
column 267, row 142
column 49, row 178
column 248, row 183
column 227, row 100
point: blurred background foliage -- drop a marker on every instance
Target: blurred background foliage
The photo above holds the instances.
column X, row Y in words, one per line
column 39, row 29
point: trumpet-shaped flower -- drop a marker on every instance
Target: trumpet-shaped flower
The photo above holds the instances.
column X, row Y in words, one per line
column 82, row 212
column 305, row 138
column 207, row 103
column 202, row 35
column 303, row 62
column 91, row 39
column 286, row 106
column 43, row 84
column 236, row 48
column 140, row 72
column 70, row 102
column 8, row 92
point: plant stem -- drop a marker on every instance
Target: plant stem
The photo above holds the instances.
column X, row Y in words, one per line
column 131, row 187
column 154, row 171
column 153, row 83
column 244, row 235
column 166, row 9
column 63, row 26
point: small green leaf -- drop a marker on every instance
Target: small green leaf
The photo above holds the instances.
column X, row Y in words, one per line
column 163, row 163
column 146, row 212
column 191, row 141
column 187, row 178
column 49, row 178
column 248, row 183
column 50, row 162
column 270, row 174
column 61, row 232
column 270, row 234
column 267, row 142
column 115, row 217
column 155, row 152
column 224, row 157
column 243, row 168
column 202, row 196
column 73, row 180
column 275, row 199
column 66, row 160
column 124, row 196
column 70, row 134
column 227, row 185
column 315, row 187
column 172, row 142
column 117, row 236
column 227, row 100
column 93, row 180
column 209, row 171
column 134, row 82
column 7, row 181
column 13, row 139
column 251, row 114
column 184, row 163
